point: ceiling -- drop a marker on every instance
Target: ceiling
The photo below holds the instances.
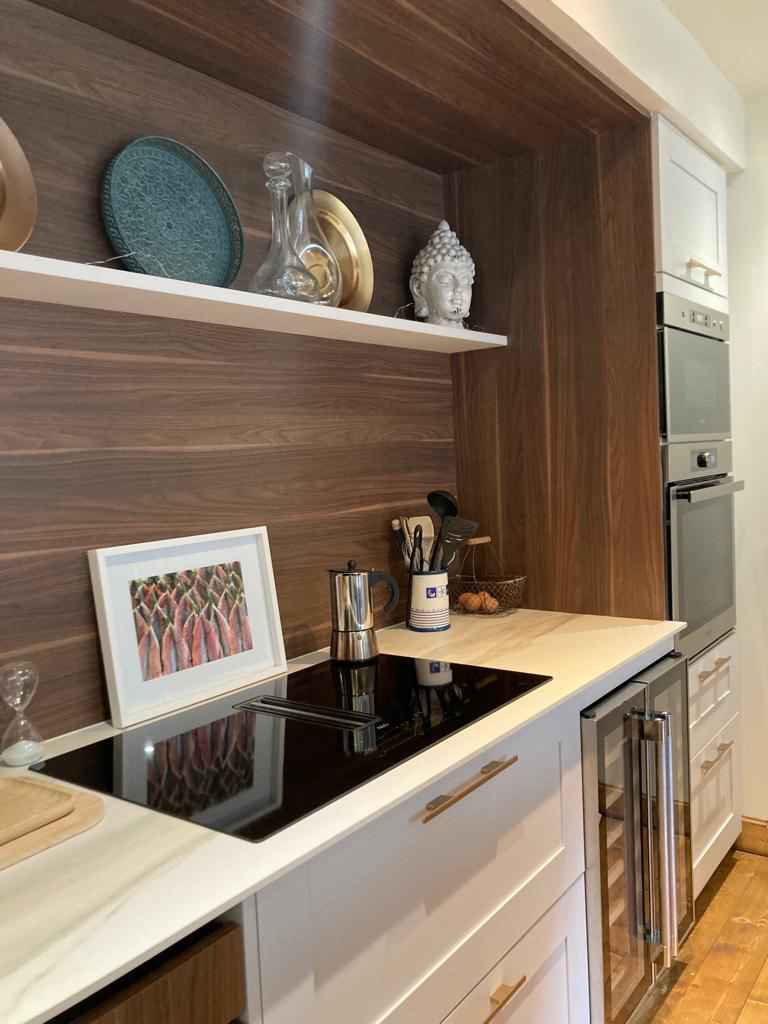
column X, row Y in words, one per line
column 734, row 33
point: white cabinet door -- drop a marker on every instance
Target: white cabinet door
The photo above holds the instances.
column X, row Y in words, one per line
column 543, row 980
column 397, row 922
column 715, row 801
column 713, row 691
column 690, row 211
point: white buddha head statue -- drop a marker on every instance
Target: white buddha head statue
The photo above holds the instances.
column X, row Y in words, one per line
column 441, row 279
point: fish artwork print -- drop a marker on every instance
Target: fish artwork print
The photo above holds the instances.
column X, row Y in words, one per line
column 189, row 618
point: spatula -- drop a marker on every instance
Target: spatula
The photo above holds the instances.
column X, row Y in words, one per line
column 455, row 534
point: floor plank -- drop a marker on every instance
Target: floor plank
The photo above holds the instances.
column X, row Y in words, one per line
column 726, row 975
column 714, row 907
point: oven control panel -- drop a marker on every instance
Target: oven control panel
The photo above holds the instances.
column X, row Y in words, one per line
column 672, row 311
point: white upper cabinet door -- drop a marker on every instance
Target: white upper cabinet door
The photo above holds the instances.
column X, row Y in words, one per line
column 690, row 211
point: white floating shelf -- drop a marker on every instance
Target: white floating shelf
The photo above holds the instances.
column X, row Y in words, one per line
column 76, row 284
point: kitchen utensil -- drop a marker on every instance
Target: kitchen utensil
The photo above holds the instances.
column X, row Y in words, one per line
column 168, row 213
column 443, row 504
column 429, row 608
column 350, row 247
column 26, row 805
column 455, row 532
column 353, row 637
column 18, row 194
column 87, row 811
column 404, row 526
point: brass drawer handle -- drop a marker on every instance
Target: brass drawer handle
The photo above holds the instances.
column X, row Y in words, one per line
column 722, row 750
column 502, row 996
column 708, row 271
column 719, row 662
column 445, row 800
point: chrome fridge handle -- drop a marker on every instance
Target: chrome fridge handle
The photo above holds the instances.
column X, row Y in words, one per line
column 665, row 808
column 656, row 727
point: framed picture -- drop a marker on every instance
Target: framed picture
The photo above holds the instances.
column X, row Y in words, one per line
column 184, row 620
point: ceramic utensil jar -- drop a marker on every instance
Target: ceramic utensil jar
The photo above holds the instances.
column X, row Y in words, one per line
column 429, row 605
column 353, row 637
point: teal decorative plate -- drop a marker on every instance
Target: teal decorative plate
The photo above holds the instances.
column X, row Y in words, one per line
column 168, row 213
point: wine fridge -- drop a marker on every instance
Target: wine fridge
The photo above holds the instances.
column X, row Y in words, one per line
column 637, row 825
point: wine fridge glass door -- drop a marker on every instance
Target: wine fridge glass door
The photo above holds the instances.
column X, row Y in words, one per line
column 621, row 970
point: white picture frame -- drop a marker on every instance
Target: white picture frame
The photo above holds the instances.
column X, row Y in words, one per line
column 117, row 572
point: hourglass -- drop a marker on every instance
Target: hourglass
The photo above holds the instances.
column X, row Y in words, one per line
column 21, row 742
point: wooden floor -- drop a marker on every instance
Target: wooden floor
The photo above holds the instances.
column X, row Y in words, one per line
column 723, row 974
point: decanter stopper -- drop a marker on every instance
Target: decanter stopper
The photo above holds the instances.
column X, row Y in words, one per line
column 21, row 742
column 282, row 274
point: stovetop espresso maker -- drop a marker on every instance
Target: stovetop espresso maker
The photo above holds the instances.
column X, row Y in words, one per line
column 353, row 636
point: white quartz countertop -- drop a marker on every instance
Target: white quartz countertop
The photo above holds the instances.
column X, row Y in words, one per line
column 79, row 915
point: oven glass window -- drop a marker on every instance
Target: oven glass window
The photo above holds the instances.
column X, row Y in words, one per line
column 698, row 400
column 704, row 559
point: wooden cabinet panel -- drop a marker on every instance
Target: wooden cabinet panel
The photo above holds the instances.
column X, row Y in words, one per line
column 557, row 436
column 201, row 983
column 691, row 207
column 403, row 917
column 544, row 978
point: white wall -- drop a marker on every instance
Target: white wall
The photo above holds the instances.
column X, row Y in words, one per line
column 748, row 272
column 640, row 46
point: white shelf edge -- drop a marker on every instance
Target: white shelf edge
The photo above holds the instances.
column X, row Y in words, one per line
column 40, row 279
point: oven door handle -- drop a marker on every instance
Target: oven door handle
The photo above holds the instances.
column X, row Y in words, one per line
column 697, row 494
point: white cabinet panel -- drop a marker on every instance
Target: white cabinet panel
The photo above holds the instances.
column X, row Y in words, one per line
column 543, row 979
column 381, row 915
column 713, row 691
column 691, row 242
column 715, row 801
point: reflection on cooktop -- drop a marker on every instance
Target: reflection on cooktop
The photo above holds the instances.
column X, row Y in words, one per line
column 253, row 762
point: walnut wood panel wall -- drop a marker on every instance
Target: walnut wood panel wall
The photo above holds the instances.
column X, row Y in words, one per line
column 74, row 96
column 446, row 84
column 557, row 435
column 115, row 429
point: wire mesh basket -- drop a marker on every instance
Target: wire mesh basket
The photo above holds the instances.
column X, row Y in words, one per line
column 479, row 592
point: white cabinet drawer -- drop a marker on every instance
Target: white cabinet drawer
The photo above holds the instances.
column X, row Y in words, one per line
column 372, row 920
column 544, row 978
column 715, row 801
column 713, row 691
column 690, row 211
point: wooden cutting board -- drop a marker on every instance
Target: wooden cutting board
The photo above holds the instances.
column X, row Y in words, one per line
column 26, row 805
column 86, row 811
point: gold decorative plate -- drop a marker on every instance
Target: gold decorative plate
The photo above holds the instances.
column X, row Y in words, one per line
column 18, row 195
column 346, row 238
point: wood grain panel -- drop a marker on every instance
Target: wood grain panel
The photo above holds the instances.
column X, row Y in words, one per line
column 117, row 429
column 74, row 96
column 628, row 328
column 557, row 439
column 445, row 85
column 198, row 981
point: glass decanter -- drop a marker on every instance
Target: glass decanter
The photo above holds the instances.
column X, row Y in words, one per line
column 21, row 742
column 282, row 274
column 309, row 239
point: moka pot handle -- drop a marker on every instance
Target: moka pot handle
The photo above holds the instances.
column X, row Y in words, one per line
column 374, row 577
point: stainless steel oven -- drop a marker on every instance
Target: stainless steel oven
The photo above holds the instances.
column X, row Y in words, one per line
column 694, row 371
column 700, row 541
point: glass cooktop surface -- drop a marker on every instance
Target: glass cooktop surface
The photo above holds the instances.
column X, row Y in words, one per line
column 253, row 762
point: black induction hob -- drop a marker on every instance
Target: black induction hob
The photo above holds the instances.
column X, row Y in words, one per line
column 253, row 762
